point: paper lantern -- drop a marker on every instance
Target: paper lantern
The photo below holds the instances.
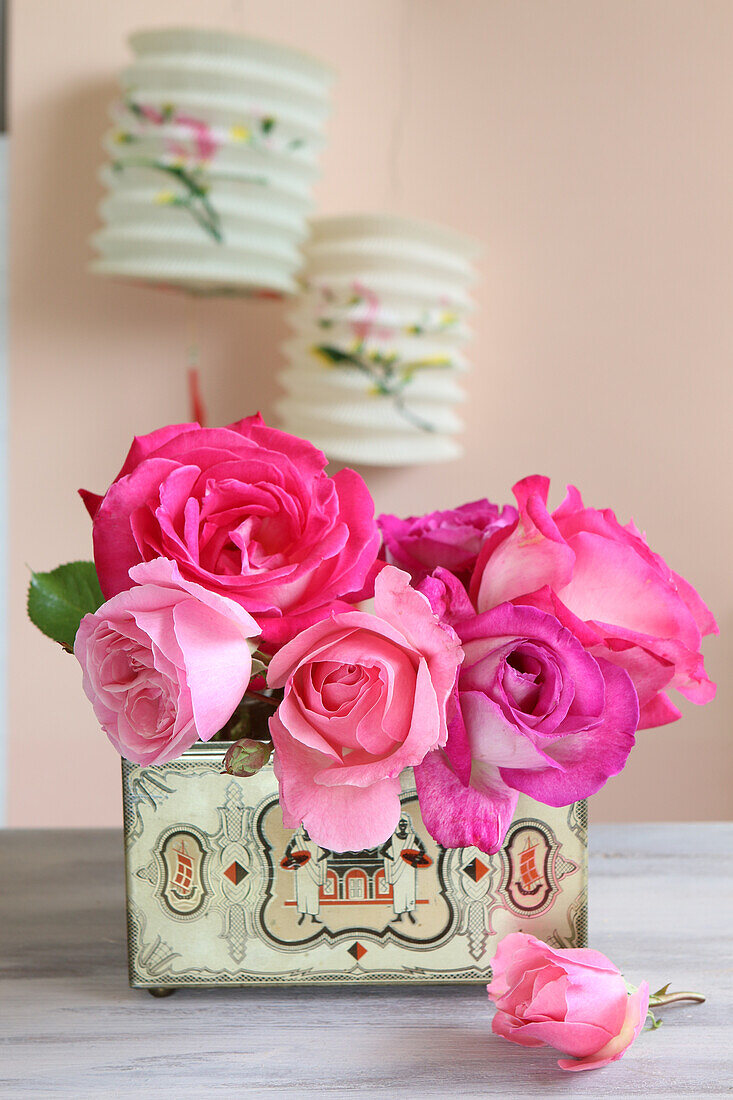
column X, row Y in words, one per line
column 212, row 159
column 374, row 365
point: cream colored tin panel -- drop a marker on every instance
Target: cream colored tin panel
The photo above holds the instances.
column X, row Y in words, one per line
column 219, row 892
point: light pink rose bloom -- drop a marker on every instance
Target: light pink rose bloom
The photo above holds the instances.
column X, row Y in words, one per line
column 450, row 539
column 605, row 584
column 533, row 712
column 165, row 663
column 573, row 1000
column 365, row 698
column 246, row 511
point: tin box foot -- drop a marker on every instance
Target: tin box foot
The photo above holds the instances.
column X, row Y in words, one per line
column 161, row 990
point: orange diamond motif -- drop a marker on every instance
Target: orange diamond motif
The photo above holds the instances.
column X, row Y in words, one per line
column 476, row 870
column 356, row 950
column 235, row 872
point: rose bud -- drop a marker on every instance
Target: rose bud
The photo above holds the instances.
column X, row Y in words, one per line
column 246, row 757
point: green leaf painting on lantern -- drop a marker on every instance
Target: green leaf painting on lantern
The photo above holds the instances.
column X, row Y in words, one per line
column 189, row 150
column 389, row 375
column 389, row 372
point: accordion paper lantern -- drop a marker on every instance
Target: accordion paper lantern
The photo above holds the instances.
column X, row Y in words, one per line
column 375, row 361
column 213, row 153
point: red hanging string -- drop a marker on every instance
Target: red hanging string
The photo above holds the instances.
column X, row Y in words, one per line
column 197, row 406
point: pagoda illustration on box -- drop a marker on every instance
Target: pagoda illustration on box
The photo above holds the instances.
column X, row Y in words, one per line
column 219, row 892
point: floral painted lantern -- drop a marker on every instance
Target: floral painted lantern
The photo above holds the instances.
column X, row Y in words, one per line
column 212, row 158
column 375, row 360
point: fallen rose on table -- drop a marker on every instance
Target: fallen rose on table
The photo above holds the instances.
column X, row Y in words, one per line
column 574, row 1000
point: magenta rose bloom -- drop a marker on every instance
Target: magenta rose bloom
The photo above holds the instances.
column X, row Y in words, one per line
column 533, row 712
column 573, row 1000
column 165, row 663
column 246, row 511
column 365, row 698
column 605, row 584
column 450, row 539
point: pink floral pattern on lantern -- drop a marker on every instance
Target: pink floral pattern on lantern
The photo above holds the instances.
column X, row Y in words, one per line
column 387, row 372
column 187, row 156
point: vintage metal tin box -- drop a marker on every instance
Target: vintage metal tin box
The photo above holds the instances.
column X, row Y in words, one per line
column 220, row 893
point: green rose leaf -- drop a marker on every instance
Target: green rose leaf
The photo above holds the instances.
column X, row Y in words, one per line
column 59, row 600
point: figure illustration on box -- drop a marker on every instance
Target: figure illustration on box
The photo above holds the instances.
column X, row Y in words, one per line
column 404, row 856
column 307, row 861
column 377, row 876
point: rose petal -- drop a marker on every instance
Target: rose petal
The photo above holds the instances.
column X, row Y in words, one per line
column 585, row 760
column 533, row 555
column 338, row 818
column 460, row 816
column 636, row 1013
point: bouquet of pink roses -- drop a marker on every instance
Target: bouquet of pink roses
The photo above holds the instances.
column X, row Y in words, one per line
column 506, row 650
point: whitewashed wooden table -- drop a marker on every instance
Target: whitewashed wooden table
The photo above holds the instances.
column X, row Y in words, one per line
column 70, row 1026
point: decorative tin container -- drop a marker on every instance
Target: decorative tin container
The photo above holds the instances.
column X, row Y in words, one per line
column 220, row 893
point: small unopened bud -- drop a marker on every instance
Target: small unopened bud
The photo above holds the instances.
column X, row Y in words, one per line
column 245, row 758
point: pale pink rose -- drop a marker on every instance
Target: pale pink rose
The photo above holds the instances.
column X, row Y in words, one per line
column 365, row 698
column 246, row 511
column 533, row 712
column 573, row 1000
column 165, row 663
column 604, row 583
column 450, row 539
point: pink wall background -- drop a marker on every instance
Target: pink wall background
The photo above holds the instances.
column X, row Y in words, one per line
column 586, row 143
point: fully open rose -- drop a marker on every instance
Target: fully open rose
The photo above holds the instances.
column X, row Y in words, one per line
column 534, row 712
column 450, row 539
column 605, row 584
column 165, row 663
column 246, row 511
column 573, row 1000
column 365, row 698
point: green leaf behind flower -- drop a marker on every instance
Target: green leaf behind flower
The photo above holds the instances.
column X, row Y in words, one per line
column 59, row 600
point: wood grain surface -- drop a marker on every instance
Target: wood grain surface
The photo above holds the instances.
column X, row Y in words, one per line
column 660, row 907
